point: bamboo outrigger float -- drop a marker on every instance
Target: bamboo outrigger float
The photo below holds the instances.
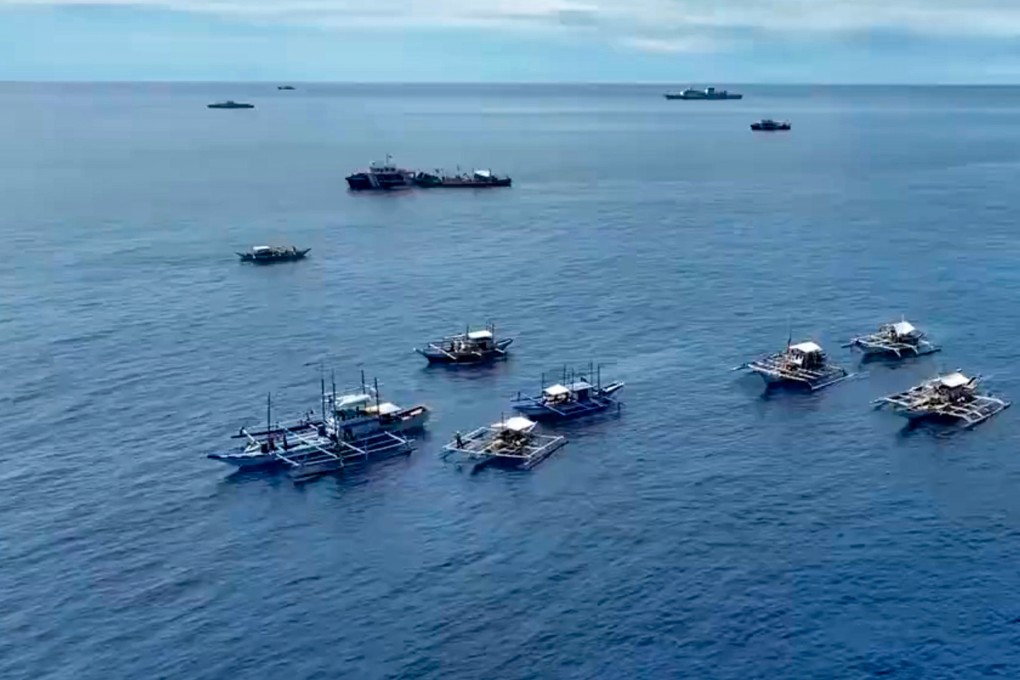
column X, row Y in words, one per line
column 469, row 347
column 802, row 364
column 574, row 397
column 950, row 397
column 895, row 340
column 511, row 442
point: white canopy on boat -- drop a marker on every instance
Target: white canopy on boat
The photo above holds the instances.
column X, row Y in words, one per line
column 349, row 401
column 556, row 390
column 384, row 409
column 260, row 249
column 952, row 380
column 806, row 348
column 480, row 335
column 483, row 173
column 515, row 424
column 903, row 328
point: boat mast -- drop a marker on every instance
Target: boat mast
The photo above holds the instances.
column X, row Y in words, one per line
column 376, row 382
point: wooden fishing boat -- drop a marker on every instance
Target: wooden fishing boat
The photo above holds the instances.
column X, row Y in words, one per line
column 894, row 340
column 469, row 347
column 574, row 397
column 802, row 364
column 512, row 442
column 951, row 397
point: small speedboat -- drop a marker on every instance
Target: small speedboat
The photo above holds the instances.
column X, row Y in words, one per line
column 769, row 125
column 271, row 254
column 230, row 104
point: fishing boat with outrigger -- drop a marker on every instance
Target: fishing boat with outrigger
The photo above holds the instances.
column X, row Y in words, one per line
column 358, row 427
column 769, row 125
column 479, row 179
column 804, row 364
column 895, row 340
column 469, row 347
column 383, row 176
column 574, row 397
column 952, row 397
column 261, row 448
column 272, row 254
column 510, row 442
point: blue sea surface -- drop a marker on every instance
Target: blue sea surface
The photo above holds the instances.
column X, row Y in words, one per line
column 711, row 531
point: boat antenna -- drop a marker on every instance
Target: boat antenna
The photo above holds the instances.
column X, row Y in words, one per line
column 364, row 388
column 598, row 378
column 789, row 334
column 322, row 391
column 269, row 406
column 332, row 379
column 377, row 412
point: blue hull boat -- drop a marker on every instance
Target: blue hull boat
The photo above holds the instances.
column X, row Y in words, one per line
column 577, row 399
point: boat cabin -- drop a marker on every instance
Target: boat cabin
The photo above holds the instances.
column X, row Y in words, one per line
column 513, row 433
column 954, row 386
column 903, row 331
column 806, row 355
column 576, row 391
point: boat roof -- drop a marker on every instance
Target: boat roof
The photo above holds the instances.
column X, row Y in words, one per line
column 384, row 409
column 903, row 328
column 806, row 347
column 579, row 385
column 261, row 249
column 955, row 379
column 352, row 400
column 515, row 424
column 556, row 390
column 480, row 335
column 483, row 173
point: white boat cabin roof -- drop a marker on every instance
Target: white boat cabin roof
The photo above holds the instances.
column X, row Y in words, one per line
column 384, row 409
column 479, row 335
column 351, row 401
column 515, row 424
column 559, row 390
column 806, row 348
column 556, row 390
column 261, row 249
column 903, row 328
column 953, row 380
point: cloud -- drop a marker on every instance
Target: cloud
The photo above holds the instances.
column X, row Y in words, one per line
column 663, row 26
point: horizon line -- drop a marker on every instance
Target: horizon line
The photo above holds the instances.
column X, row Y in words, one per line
column 540, row 83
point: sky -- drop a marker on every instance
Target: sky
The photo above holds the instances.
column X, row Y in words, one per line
column 661, row 41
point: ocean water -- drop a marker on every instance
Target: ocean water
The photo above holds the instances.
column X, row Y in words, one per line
column 711, row 531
